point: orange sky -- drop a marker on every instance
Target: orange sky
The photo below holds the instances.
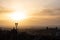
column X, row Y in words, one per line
column 39, row 12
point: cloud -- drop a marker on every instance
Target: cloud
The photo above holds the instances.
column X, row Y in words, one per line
column 48, row 12
column 5, row 10
column 46, row 17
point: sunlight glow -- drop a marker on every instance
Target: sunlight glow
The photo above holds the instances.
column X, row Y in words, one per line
column 17, row 16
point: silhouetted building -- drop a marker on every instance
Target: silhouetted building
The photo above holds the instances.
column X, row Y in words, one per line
column 56, row 28
column 47, row 28
column 16, row 24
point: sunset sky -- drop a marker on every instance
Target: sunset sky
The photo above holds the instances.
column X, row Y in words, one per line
column 37, row 12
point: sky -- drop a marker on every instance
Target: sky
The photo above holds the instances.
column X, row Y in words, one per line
column 40, row 12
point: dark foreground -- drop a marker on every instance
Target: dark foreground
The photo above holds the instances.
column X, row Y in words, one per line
column 42, row 34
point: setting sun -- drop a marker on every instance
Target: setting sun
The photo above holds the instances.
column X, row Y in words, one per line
column 17, row 16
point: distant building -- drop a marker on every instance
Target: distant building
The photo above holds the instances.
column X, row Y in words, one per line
column 56, row 28
column 47, row 28
column 16, row 25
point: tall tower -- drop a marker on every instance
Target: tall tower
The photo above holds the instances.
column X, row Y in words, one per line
column 16, row 25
